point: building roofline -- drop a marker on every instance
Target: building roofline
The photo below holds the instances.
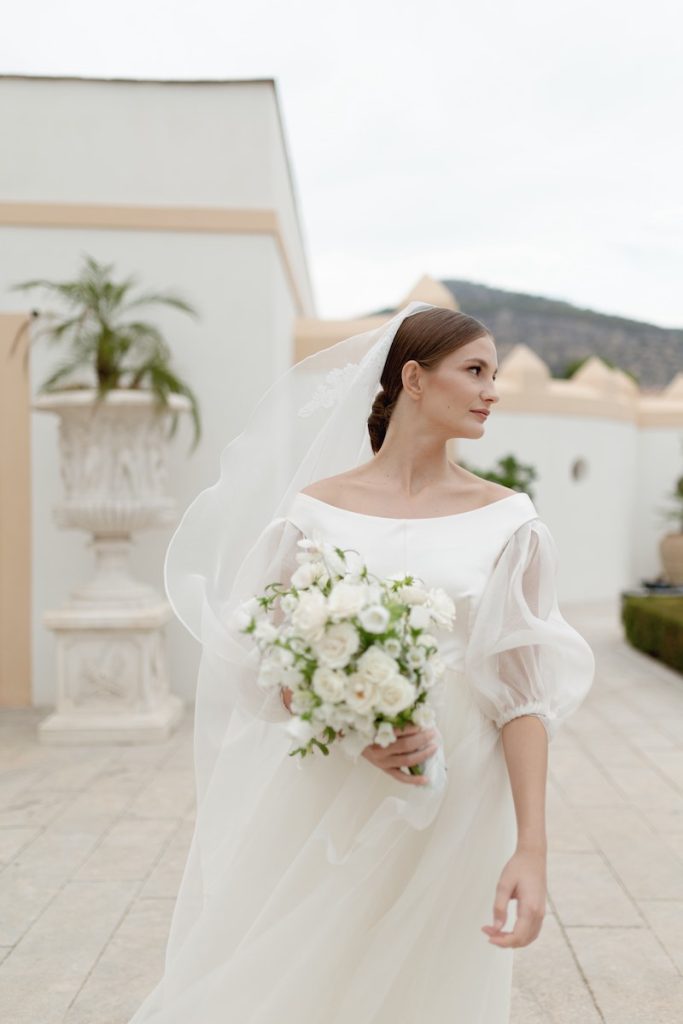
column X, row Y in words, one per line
column 143, row 81
column 293, row 188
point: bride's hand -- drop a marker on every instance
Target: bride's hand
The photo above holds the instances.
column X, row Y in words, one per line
column 412, row 746
column 523, row 878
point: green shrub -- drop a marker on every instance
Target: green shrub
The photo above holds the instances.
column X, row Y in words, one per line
column 654, row 625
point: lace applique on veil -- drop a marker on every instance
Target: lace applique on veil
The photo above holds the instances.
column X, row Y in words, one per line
column 327, row 393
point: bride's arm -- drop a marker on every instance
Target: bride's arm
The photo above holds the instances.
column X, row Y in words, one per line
column 525, row 743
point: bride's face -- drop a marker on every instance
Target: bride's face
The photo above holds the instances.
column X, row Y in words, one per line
column 462, row 382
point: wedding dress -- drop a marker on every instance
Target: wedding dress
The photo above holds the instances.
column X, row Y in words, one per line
column 324, row 891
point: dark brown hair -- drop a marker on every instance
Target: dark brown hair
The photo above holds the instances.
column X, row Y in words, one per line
column 427, row 337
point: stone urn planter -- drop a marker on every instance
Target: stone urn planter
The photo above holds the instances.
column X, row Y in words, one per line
column 671, row 544
column 112, row 678
column 671, row 555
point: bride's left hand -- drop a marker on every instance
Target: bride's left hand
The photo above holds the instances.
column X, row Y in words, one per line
column 523, row 878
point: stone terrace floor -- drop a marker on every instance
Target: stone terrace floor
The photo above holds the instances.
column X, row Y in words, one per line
column 93, row 842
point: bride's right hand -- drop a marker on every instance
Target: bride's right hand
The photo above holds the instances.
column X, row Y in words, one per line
column 413, row 745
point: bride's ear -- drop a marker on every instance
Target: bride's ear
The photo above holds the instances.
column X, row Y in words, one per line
column 412, row 378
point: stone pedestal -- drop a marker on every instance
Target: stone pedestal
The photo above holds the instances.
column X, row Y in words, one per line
column 112, row 680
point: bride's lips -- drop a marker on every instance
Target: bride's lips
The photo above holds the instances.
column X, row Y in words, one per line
column 480, row 412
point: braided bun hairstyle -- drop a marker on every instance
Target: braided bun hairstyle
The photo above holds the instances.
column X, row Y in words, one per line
column 427, row 337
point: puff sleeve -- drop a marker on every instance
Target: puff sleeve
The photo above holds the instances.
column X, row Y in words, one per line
column 522, row 656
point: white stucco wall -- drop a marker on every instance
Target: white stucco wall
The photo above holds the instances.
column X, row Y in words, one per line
column 593, row 520
column 156, row 144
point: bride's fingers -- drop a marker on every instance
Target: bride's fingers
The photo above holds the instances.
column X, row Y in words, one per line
column 417, row 741
column 414, row 756
column 411, row 780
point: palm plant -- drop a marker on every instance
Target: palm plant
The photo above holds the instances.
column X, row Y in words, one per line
column 122, row 351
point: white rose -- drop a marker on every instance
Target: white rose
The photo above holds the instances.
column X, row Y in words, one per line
column 442, row 607
column 376, row 667
column 310, row 615
column 328, row 684
column 338, row 644
column 265, row 630
column 395, row 695
column 374, row 618
column 419, row 616
column 424, row 716
column 360, row 693
column 427, row 640
column 305, row 575
column 345, row 600
column 385, row 734
column 300, row 730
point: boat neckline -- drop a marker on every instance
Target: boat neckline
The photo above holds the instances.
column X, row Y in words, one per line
column 411, row 519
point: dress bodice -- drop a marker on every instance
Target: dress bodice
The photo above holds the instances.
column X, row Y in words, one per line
column 456, row 552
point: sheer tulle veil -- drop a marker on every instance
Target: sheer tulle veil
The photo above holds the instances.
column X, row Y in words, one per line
column 309, row 424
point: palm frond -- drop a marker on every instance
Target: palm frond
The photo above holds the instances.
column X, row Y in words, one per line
column 153, row 298
column 104, row 341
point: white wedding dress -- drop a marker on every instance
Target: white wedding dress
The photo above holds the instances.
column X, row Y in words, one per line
column 332, row 893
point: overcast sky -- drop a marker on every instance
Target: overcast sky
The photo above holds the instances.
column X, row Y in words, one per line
column 534, row 146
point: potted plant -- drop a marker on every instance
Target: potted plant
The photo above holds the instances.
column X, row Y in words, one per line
column 509, row 472
column 116, row 350
column 671, row 544
column 112, row 679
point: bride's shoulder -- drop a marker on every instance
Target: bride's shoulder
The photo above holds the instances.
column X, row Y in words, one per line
column 329, row 488
column 481, row 491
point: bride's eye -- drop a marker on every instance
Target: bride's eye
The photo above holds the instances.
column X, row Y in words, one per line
column 474, row 367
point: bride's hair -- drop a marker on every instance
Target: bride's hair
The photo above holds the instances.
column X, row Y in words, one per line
column 427, row 337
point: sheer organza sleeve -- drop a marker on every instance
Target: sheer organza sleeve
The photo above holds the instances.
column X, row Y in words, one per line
column 523, row 657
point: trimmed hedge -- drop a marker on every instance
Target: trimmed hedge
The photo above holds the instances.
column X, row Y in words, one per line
column 654, row 625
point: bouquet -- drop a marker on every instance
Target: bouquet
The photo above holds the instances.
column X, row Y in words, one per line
column 355, row 649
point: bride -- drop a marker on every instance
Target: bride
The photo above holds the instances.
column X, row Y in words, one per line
column 344, row 888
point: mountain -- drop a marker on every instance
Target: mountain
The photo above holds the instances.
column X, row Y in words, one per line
column 560, row 333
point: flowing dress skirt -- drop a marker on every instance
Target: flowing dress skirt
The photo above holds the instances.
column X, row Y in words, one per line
column 338, row 894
